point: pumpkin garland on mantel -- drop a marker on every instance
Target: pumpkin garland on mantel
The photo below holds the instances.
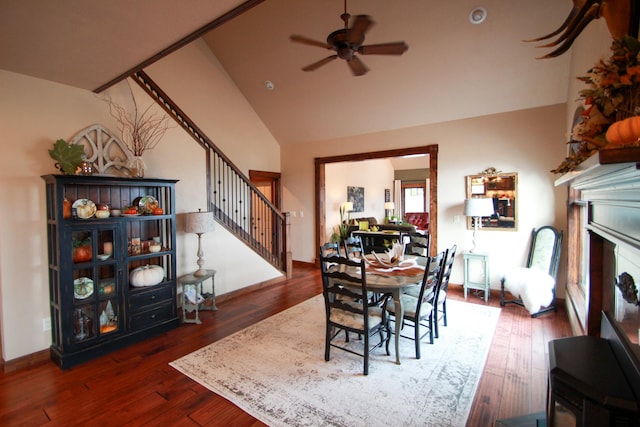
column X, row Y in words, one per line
column 623, row 132
column 612, row 101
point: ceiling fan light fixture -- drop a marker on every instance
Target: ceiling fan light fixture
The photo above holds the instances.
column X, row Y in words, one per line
column 478, row 15
column 348, row 41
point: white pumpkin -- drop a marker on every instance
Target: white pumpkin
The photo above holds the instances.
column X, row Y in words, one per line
column 147, row 275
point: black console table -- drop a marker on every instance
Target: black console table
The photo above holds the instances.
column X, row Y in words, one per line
column 379, row 241
column 589, row 379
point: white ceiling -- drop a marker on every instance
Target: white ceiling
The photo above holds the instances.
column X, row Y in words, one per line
column 452, row 70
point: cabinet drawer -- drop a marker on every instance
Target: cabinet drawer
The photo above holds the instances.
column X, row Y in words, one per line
column 151, row 317
column 142, row 299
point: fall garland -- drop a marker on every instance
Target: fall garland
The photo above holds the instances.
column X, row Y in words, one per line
column 612, row 95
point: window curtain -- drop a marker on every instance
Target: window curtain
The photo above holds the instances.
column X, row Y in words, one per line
column 397, row 198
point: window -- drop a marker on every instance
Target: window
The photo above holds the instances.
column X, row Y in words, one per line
column 414, row 197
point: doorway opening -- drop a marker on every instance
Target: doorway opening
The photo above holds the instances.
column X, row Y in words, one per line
column 320, row 187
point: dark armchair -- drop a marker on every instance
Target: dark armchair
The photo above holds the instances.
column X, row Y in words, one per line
column 534, row 285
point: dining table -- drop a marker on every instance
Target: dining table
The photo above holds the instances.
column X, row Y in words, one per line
column 394, row 280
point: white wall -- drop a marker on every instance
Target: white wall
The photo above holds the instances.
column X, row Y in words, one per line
column 373, row 175
column 36, row 112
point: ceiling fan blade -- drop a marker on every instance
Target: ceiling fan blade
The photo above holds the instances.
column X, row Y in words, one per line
column 306, row 40
column 361, row 25
column 394, row 48
column 320, row 63
column 357, row 67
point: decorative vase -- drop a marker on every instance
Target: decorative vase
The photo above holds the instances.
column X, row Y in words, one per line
column 137, row 167
column 66, row 208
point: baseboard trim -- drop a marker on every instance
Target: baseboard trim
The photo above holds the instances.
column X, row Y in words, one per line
column 248, row 289
column 26, row 362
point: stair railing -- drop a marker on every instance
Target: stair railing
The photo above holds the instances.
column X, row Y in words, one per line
column 235, row 202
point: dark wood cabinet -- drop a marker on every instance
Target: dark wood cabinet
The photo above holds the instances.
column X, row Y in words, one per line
column 94, row 264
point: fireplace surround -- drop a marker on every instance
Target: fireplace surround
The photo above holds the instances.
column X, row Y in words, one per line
column 604, row 247
column 603, row 274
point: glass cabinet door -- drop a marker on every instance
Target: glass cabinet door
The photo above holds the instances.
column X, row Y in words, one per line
column 95, row 283
column 108, row 307
column 83, row 301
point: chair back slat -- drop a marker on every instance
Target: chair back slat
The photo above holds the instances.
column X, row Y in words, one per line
column 353, row 247
column 329, row 249
column 448, row 267
column 432, row 278
column 418, row 244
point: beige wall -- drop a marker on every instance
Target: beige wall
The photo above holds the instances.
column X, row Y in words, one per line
column 530, row 142
column 34, row 113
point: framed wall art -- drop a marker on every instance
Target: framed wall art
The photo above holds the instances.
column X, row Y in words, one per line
column 355, row 195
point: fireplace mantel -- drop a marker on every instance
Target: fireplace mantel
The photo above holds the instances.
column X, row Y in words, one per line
column 604, row 218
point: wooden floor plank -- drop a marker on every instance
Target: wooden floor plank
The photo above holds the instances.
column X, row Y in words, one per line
column 139, row 381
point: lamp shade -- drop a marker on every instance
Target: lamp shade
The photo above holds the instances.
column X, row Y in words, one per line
column 199, row 222
column 389, row 205
column 478, row 207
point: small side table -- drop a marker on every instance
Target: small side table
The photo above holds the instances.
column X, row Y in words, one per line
column 200, row 298
column 473, row 284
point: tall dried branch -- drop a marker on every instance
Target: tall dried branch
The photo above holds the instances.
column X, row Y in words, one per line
column 141, row 131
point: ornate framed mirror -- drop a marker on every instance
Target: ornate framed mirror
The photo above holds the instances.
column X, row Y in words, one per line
column 502, row 189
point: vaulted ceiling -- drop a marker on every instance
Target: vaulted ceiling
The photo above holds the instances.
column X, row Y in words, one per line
column 453, row 69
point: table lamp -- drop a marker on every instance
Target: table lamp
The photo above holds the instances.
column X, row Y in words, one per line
column 389, row 207
column 199, row 223
column 477, row 208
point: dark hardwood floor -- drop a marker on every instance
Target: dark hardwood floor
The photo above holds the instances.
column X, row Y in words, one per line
column 136, row 386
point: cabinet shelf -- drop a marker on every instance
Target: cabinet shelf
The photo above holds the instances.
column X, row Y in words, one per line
column 94, row 309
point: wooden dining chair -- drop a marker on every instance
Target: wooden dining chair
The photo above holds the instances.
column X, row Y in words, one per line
column 344, row 282
column 419, row 311
column 440, row 297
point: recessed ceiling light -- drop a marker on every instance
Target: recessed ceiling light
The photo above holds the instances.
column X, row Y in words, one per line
column 269, row 85
column 478, row 15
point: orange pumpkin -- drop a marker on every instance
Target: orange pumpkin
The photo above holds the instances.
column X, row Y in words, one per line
column 82, row 254
column 624, row 132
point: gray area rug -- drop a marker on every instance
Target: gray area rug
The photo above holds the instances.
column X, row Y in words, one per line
column 275, row 371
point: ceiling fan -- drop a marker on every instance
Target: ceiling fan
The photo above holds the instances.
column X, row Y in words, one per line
column 349, row 41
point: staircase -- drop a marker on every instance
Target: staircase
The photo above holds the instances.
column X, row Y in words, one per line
column 235, row 202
